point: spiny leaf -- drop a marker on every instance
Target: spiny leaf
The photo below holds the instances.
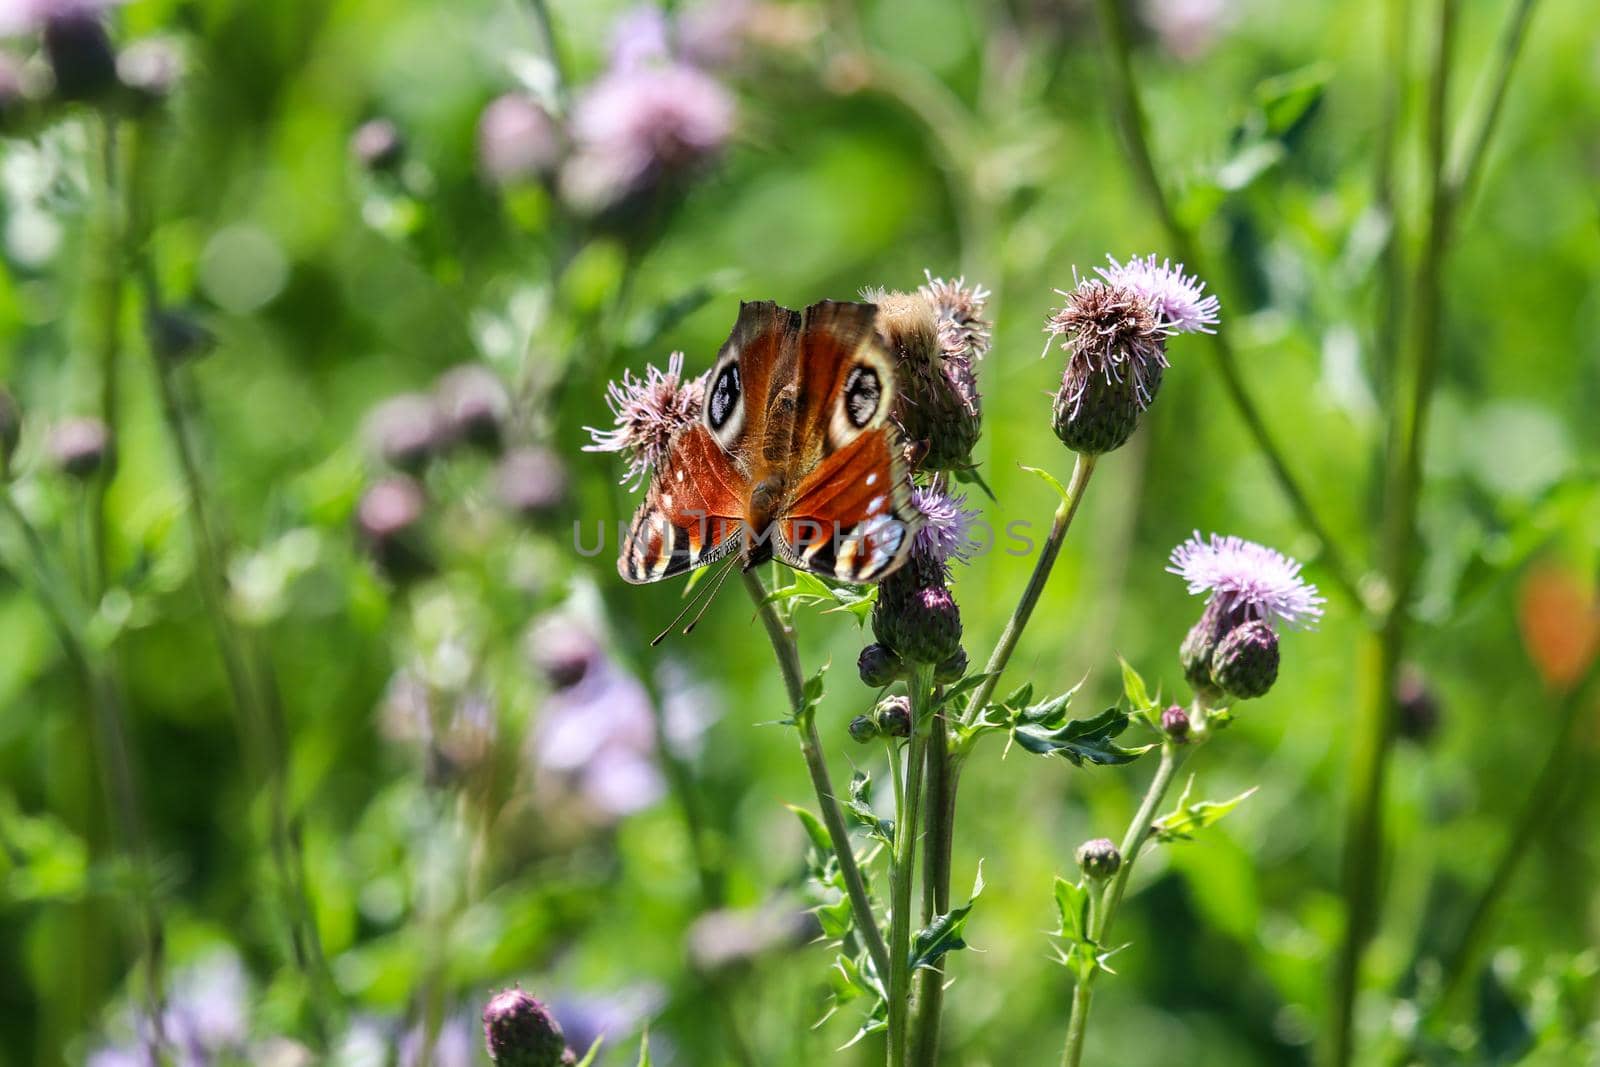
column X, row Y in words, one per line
column 1081, row 740
column 1072, row 903
column 859, row 805
column 1185, row 820
column 593, row 1053
column 1134, row 689
column 946, row 932
column 644, row 1048
column 818, row 833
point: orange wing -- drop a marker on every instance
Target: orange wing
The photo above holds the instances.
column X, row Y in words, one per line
column 692, row 514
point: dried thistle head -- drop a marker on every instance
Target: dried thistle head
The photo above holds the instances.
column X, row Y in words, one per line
column 648, row 410
column 1116, row 349
column 938, row 407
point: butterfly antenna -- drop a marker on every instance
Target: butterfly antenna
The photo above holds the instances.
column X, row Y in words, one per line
column 697, row 599
column 716, row 588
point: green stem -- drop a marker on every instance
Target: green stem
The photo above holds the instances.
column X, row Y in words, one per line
column 1130, row 119
column 1104, row 905
column 1364, row 841
column 907, row 827
column 937, row 841
column 783, row 645
column 1082, row 470
column 1468, row 159
column 552, row 47
column 106, row 285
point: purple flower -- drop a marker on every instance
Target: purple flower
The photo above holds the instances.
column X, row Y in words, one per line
column 1187, row 28
column 598, row 737
column 648, row 411
column 632, row 126
column 713, row 33
column 958, row 309
column 455, row 1045
column 1178, row 299
column 946, row 533
column 22, row 16
column 640, row 36
column 517, row 140
column 1247, row 579
column 1110, row 332
column 206, row 1019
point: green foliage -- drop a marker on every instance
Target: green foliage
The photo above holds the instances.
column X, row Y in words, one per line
column 1188, row 817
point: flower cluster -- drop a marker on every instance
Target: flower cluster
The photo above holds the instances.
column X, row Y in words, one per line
column 1251, row 590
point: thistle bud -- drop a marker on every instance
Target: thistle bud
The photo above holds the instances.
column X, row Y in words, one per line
column 531, row 482
column 1175, row 724
column 916, row 614
column 1200, row 643
column 10, row 430
column 474, row 405
column 1245, row 664
column 81, row 447
column 1116, row 354
column 1417, row 712
column 520, row 1032
column 879, row 666
column 562, row 651
column 863, row 728
column 517, row 140
column 80, row 54
column 389, row 519
column 378, row 146
column 937, row 406
column 894, row 716
column 953, row 669
column 1099, row 859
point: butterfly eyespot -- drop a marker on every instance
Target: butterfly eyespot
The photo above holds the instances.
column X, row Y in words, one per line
column 724, row 397
column 862, row 394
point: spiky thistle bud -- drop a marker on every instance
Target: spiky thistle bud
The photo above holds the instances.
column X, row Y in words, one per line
column 937, row 406
column 1116, row 351
column 520, row 1032
column 863, row 728
column 953, row 669
column 647, row 410
column 879, row 666
column 1099, row 859
column 81, row 447
column 1245, row 664
column 1175, row 723
column 893, row 715
column 916, row 615
column 1200, row 643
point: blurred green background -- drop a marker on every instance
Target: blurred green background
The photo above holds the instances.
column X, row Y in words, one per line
column 872, row 142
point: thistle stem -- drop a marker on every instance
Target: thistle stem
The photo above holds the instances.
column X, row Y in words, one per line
column 907, row 828
column 1129, row 113
column 1082, row 469
column 106, row 284
column 1364, row 841
column 936, row 843
column 1104, row 905
column 783, row 646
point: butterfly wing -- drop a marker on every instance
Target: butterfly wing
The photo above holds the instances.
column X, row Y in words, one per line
column 694, row 510
column 692, row 514
column 850, row 517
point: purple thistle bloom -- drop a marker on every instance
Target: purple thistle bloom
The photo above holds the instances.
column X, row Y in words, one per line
column 648, row 411
column 22, row 16
column 958, row 308
column 1179, row 299
column 517, row 140
column 639, row 37
column 947, row 534
column 1248, row 579
column 632, row 126
column 1113, row 332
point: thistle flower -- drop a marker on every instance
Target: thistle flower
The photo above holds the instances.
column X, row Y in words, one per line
column 1250, row 580
column 81, row 56
column 378, row 145
column 640, row 36
column 648, row 410
column 1246, row 583
column 633, row 127
column 81, row 447
column 937, row 407
column 151, row 69
column 389, row 520
column 520, row 1032
column 946, row 533
column 517, row 140
column 474, row 404
column 1417, row 709
column 915, row 614
column 964, row 333
column 1175, row 723
column 727, row 938
column 405, row 431
column 530, row 482
column 1179, row 300
column 597, row 737
column 1116, row 354
column 1245, row 663
column 25, row 16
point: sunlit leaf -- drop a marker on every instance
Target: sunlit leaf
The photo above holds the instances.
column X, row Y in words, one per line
column 1187, row 819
